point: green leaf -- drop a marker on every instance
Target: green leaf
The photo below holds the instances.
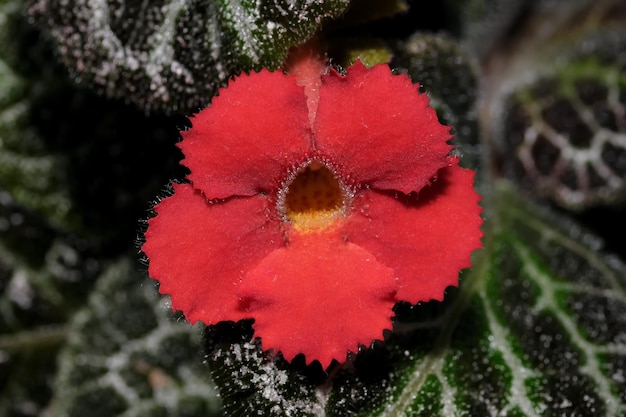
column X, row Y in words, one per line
column 69, row 156
column 128, row 355
column 449, row 75
column 42, row 279
column 553, row 96
column 174, row 55
column 65, row 164
column 26, row 172
column 563, row 128
column 537, row 328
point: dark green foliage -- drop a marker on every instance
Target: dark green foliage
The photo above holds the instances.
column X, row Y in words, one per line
column 127, row 353
column 171, row 55
column 449, row 75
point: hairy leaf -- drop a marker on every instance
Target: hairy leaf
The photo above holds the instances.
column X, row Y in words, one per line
column 43, row 275
column 565, row 129
column 31, row 176
column 174, row 55
column 66, row 154
column 127, row 355
column 448, row 74
column 553, row 97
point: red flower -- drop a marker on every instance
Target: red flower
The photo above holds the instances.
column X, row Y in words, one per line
column 314, row 222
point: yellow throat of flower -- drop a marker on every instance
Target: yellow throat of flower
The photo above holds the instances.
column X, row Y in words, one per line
column 315, row 199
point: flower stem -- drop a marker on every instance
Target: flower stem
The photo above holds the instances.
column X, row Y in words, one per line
column 307, row 64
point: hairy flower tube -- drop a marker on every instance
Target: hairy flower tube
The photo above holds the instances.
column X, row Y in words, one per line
column 314, row 217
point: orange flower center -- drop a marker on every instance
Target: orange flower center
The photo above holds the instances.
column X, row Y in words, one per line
column 315, row 199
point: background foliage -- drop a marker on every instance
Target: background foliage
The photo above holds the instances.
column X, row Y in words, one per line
column 92, row 96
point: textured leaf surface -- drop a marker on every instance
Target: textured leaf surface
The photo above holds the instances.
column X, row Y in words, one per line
column 567, row 129
column 67, row 154
column 43, row 275
column 65, row 164
column 128, row 356
column 448, row 74
column 174, row 54
column 29, row 174
column 538, row 327
column 553, row 99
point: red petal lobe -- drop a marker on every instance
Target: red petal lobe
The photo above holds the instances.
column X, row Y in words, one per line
column 319, row 296
column 248, row 137
column 425, row 239
column 198, row 250
column 379, row 130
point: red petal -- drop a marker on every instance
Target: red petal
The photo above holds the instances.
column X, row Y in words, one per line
column 253, row 132
column 199, row 251
column 319, row 296
column 426, row 239
column 376, row 128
